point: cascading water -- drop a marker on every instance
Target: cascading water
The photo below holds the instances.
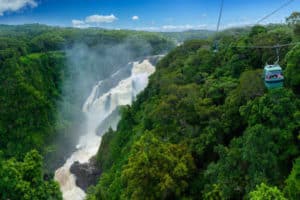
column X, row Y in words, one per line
column 97, row 108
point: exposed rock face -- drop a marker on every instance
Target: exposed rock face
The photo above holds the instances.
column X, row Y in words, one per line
column 86, row 174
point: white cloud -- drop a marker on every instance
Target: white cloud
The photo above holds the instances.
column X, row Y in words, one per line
column 15, row 5
column 183, row 27
column 93, row 20
column 171, row 28
column 135, row 17
column 79, row 24
column 148, row 28
column 100, row 19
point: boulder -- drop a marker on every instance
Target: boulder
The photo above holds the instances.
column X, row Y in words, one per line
column 87, row 174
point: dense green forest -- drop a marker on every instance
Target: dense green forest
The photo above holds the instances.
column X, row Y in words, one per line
column 34, row 73
column 207, row 128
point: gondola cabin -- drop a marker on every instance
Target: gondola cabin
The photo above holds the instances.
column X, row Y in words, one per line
column 273, row 76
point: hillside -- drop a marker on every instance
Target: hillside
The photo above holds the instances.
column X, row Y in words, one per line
column 45, row 74
column 183, row 36
column 207, row 128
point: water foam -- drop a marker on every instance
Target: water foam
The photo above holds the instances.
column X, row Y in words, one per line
column 97, row 109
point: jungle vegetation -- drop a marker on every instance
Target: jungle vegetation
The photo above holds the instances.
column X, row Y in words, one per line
column 207, row 128
column 34, row 72
column 204, row 128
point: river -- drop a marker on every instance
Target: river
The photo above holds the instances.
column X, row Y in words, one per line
column 106, row 96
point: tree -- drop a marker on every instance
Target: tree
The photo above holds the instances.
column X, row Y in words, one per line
column 292, row 71
column 265, row 192
column 156, row 169
column 256, row 30
column 24, row 180
column 293, row 19
column 274, row 109
column 250, row 160
column 278, row 35
column 215, row 108
column 292, row 188
column 214, row 194
column 251, row 85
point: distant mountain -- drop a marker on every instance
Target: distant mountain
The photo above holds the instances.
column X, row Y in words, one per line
column 188, row 35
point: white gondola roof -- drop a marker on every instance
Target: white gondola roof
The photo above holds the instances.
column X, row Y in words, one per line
column 273, row 68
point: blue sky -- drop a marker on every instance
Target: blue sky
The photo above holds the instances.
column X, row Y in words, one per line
column 156, row 15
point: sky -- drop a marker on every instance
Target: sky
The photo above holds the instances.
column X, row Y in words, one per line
column 150, row 15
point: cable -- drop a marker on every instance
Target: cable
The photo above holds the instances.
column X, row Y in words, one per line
column 275, row 11
column 268, row 47
column 264, row 18
column 276, row 47
column 216, row 43
column 220, row 15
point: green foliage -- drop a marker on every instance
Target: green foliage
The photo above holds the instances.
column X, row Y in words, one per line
column 292, row 188
column 188, row 35
column 47, row 42
column 34, row 76
column 250, row 160
column 29, row 88
column 294, row 18
column 251, row 85
column 24, row 180
column 257, row 30
column 274, row 109
column 156, row 169
column 214, row 194
column 292, row 71
column 213, row 110
column 205, row 126
column 264, row 192
column 294, row 21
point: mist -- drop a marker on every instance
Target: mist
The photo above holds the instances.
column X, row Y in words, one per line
column 90, row 64
column 99, row 81
column 85, row 65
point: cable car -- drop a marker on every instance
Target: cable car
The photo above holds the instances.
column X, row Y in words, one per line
column 216, row 47
column 273, row 76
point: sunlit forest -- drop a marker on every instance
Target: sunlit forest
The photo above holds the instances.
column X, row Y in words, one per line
column 207, row 128
column 210, row 123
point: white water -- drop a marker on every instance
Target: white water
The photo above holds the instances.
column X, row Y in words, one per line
column 96, row 110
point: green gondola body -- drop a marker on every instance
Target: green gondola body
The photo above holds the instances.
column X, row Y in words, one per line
column 273, row 76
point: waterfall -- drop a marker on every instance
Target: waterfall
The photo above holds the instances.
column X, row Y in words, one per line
column 97, row 107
